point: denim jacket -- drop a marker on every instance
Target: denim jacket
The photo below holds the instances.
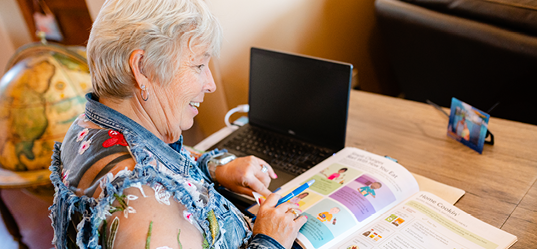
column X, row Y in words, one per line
column 175, row 169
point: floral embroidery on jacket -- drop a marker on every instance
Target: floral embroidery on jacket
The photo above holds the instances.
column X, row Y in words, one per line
column 84, row 146
column 115, row 138
column 213, row 225
column 188, row 216
column 138, row 185
column 162, row 196
column 65, row 174
column 113, row 232
column 123, row 201
column 82, row 134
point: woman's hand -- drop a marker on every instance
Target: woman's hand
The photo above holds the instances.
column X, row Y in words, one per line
column 244, row 175
column 280, row 222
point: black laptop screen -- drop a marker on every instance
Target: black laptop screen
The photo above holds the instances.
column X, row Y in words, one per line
column 300, row 96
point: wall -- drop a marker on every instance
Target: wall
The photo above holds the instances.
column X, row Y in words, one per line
column 94, row 6
column 14, row 23
column 7, row 48
column 13, row 31
column 341, row 30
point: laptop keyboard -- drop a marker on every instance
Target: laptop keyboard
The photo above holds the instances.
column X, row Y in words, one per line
column 281, row 152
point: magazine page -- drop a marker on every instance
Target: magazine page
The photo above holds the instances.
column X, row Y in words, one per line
column 426, row 221
column 351, row 188
column 448, row 193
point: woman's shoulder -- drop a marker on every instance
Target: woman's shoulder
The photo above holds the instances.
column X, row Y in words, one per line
column 90, row 152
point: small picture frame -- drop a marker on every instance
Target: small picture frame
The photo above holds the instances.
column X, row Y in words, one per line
column 468, row 125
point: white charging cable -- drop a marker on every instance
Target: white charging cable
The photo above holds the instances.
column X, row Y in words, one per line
column 240, row 108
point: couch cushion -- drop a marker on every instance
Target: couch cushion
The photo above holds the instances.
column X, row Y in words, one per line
column 516, row 15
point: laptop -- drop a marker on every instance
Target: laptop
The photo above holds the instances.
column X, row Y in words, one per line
column 298, row 112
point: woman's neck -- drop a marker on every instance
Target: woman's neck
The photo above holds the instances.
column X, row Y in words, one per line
column 133, row 109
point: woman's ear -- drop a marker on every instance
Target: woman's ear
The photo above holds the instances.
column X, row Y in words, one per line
column 136, row 63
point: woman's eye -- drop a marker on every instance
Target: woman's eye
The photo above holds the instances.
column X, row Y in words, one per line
column 200, row 67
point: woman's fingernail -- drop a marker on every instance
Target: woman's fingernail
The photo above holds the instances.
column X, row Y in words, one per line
column 275, row 176
column 297, row 204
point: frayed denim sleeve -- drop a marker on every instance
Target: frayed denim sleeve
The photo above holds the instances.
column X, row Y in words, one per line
column 204, row 159
column 261, row 241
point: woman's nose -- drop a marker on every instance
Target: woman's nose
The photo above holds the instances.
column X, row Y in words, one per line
column 210, row 85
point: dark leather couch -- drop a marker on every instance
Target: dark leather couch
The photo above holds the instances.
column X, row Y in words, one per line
column 483, row 52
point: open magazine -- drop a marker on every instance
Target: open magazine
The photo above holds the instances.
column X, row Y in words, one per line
column 362, row 200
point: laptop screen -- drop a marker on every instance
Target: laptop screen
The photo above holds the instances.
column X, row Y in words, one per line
column 303, row 97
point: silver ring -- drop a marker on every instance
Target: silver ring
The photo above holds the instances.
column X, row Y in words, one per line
column 295, row 213
column 264, row 169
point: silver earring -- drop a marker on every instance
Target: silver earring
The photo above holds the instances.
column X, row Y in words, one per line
column 146, row 93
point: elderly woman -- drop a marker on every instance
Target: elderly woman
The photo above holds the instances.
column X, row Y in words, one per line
column 123, row 179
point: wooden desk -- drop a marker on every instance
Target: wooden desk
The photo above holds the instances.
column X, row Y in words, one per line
column 500, row 184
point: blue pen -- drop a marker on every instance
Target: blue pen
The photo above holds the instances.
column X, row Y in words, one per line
column 293, row 193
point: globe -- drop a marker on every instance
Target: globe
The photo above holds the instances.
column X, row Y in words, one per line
column 41, row 94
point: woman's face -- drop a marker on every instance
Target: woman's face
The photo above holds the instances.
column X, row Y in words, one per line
column 186, row 91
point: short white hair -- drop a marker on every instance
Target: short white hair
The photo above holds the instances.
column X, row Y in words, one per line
column 159, row 27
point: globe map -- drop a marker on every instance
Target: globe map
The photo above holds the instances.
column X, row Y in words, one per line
column 40, row 96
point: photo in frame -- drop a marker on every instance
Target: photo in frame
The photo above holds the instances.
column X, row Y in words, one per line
column 46, row 22
column 468, row 125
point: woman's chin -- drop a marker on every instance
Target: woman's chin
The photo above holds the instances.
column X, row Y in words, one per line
column 187, row 126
